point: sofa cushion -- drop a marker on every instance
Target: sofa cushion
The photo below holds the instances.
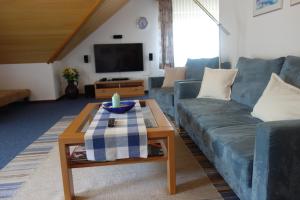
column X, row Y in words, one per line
column 252, row 78
column 173, row 74
column 216, row 83
column 190, row 110
column 195, row 67
column 290, row 72
column 205, row 106
column 225, row 132
column 213, row 121
column 165, row 99
column 280, row 101
column 233, row 147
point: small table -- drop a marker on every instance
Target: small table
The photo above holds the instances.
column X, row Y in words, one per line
column 163, row 132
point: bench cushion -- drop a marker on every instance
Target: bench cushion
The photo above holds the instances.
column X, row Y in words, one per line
column 10, row 96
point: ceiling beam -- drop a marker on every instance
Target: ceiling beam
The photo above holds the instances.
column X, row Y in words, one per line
column 99, row 14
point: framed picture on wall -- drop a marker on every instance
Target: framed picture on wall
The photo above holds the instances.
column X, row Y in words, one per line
column 294, row 2
column 265, row 6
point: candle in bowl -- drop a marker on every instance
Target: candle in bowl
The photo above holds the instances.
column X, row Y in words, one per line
column 115, row 100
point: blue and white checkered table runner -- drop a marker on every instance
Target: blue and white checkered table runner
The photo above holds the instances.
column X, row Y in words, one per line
column 127, row 139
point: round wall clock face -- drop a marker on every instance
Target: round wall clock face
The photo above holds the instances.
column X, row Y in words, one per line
column 142, row 22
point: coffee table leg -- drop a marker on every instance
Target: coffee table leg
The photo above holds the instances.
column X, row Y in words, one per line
column 66, row 172
column 171, row 168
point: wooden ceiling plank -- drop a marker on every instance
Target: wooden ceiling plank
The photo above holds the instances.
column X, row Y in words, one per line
column 39, row 31
column 69, row 37
column 107, row 9
column 31, row 30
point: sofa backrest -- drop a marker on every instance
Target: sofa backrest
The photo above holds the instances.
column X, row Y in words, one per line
column 195, row 67
column 290, row 71
column 252, row 78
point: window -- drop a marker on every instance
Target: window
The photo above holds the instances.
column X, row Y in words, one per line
column 195, row 34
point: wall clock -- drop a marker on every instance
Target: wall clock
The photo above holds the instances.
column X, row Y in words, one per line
column 142, row 22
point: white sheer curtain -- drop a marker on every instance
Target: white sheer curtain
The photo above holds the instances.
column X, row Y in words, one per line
column 195, row 34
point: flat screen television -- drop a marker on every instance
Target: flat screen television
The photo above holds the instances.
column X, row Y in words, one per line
column 118, row 57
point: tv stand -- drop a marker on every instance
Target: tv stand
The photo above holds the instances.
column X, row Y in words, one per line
column 125, row 88
column 120, row 79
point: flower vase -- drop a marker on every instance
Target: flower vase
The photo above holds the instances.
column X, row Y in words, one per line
column 71, row 90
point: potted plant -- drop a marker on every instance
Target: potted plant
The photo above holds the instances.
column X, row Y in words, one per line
column 72, row 76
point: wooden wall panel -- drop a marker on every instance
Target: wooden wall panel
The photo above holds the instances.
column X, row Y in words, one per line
column 31, row 30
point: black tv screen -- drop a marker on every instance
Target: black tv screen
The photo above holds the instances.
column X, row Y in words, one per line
column 118, row 57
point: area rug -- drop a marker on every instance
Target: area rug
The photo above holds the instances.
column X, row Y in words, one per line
column 136, row 181
column 16, row 173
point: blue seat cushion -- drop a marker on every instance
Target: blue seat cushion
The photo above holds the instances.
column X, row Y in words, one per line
column 200, row 115
column 213, row 121
column 204, row 106
column 165, row 99
column 290, row 72
column 225, row 132
column 233, row 147
column 252, row 78
column 195, row 67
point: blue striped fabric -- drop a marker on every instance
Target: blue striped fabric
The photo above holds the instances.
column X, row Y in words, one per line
column 18, row 171
column 127, row 139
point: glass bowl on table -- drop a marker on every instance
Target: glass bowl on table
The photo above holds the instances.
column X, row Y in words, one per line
column 125, row 106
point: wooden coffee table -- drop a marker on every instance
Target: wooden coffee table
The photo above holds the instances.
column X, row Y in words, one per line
column 163, row 132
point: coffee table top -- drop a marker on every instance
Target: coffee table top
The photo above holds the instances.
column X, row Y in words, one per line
column 160, row 126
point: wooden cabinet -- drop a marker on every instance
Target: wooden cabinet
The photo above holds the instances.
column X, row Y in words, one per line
column 128, row 88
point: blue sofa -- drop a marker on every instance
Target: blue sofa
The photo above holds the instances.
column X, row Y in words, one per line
column 194, row 71
column 259, row 160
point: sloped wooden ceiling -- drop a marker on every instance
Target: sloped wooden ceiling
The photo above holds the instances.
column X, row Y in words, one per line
column 33, row 31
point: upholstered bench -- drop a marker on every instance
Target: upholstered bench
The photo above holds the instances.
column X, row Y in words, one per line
column 10, row 96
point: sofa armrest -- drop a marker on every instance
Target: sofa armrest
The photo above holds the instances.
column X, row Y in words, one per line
column 155, row 82
column 185, row 90
column 276, row 168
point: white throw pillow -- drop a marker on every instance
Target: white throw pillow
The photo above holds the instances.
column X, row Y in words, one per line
column 216, row 83
column 172, row 75
column 279, row 101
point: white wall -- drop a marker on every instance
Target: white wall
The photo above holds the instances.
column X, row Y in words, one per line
column 123, row 22
column 57, row 71
column 270, row 35
column 38, row 77
column 229, row 45
column 45, row 81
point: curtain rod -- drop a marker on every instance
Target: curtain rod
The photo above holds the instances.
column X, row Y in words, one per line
column 212, row 17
